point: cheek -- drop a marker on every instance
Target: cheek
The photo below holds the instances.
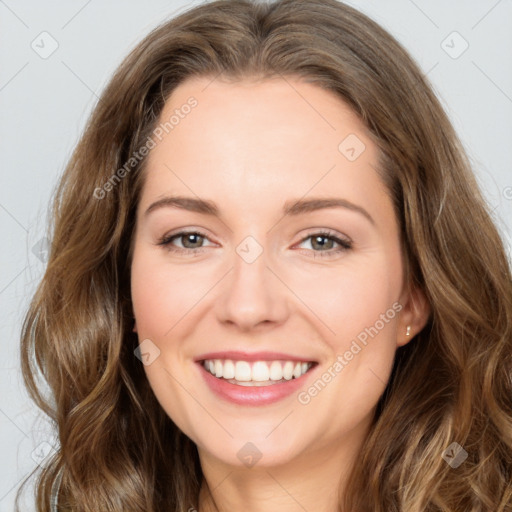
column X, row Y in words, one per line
column 361, row 312
column 160, row 294
column 148, row 306
column 352, row 298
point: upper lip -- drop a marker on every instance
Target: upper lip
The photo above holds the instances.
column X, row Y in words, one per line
column 237, row 355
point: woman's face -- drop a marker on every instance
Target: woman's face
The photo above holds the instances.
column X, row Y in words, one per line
column 294, row 285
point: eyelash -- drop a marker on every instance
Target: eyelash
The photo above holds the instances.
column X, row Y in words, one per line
column 345, row 245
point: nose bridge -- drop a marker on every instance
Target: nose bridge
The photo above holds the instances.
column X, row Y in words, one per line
column 250, row 264
column 253, row 294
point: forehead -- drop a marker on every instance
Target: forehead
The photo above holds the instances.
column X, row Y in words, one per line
column 276, row 138
column 252, row 112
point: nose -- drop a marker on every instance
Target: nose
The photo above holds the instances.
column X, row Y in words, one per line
column 252, row 294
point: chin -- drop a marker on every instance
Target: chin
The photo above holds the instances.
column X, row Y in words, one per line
column 250, row 448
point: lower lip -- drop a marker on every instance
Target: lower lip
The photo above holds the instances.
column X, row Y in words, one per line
column 252, row 395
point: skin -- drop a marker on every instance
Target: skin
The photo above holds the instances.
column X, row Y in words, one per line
column 249, row 147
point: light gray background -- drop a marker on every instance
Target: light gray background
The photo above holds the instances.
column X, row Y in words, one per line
column 44, row 103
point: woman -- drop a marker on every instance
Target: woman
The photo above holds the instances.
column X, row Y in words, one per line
column 261, row 368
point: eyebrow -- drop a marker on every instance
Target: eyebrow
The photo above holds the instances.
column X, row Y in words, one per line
column 290, row 208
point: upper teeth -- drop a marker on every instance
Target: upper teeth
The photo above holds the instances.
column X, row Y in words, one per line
column 258, row 371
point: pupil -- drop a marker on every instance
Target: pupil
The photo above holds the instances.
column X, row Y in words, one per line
column 318, row 238
column 191, row 236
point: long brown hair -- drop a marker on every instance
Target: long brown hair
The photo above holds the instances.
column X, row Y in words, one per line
column 119, row 451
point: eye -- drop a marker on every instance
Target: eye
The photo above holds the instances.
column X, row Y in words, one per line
column 190, row 241
column 318, row 241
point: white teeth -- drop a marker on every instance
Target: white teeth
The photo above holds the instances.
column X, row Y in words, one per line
column 229, row 370
column 276, row 370
column 288, row 370
column 242, row 371
column 218, row 368
column 258, row 371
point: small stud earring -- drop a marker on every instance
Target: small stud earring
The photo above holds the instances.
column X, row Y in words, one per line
column 408, row 331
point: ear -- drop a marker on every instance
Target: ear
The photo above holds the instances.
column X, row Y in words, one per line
column 415, row 313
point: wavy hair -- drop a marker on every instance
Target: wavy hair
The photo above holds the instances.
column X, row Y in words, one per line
column 119, row 451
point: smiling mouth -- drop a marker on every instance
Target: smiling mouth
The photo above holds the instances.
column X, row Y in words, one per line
column 256, row 373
